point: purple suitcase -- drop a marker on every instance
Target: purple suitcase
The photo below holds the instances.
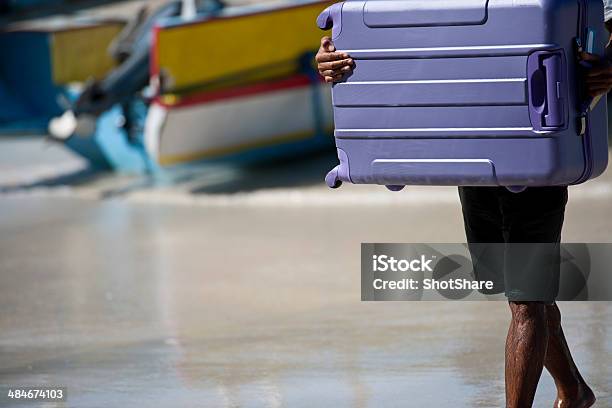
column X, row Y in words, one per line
column 467, row 92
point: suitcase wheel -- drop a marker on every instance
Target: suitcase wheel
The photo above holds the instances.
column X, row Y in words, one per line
column 395, row 187
column 332, row 180
column 516, row 189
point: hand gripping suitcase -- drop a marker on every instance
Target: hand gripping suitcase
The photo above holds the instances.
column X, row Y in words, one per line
column 467, row 92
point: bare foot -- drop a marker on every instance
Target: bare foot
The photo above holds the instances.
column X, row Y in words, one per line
column 584, row 399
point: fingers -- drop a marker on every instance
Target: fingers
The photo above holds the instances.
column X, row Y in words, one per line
column 594, row 82
column 333, row 78
column 335, row 65
column 327, row 44
column 598, row 78
column 336, row 70
column 332, row 65
column 598, row 86
column 599, row 71
column 595, row 92
column 341, row 71
column 589, row 57
column 331, row 56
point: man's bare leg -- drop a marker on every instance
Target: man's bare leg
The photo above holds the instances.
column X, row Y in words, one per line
column 572, row 390
column 525, row 352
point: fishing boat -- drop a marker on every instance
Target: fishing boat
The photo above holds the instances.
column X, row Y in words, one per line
column 38, row 62
column 229, row 83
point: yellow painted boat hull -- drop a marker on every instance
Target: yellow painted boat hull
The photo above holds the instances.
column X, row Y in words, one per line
column 249, row 46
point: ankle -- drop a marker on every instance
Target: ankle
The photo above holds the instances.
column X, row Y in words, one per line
column 570, row 391
column 579, row 395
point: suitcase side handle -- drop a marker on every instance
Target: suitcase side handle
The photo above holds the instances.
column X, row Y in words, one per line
column 547, row 90
column 325, row 21
column 331, row 17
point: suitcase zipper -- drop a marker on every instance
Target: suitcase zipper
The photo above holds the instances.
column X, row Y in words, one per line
column 584, row 116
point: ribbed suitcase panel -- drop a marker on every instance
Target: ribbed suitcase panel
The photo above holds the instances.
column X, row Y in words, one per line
column 468, row 92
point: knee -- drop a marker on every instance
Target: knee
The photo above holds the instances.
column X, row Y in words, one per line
column 528, row 312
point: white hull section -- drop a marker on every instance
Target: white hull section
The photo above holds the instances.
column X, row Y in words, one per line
column 176, row 134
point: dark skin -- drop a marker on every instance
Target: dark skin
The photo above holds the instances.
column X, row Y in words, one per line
column 535, row 338
column 598, row 80
column 332, row 65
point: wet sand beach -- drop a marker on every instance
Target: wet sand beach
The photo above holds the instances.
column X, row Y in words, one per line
column 222, row 287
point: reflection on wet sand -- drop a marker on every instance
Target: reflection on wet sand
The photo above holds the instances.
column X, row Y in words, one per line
column 161, row 305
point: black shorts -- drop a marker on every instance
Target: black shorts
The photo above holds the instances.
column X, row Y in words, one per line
column 514, row 239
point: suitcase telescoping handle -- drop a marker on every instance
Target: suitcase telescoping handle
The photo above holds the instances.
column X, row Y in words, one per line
column 547, row 89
